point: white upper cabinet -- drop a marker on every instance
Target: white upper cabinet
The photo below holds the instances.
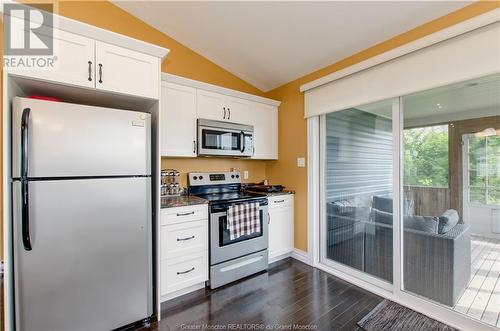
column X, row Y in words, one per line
column 126, row 71
column 178, row 120
column 74, row 64
column 237, row 110
column 186, row 100
column 89, row 57
column 264, row 119
column 219, row 107
column 211, row 106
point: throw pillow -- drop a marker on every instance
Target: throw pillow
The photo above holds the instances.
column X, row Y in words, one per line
column 448, row 220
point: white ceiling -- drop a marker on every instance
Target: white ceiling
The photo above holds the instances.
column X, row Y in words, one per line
column 272, row 43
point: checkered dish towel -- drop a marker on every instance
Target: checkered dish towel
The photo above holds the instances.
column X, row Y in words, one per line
column 243, row 219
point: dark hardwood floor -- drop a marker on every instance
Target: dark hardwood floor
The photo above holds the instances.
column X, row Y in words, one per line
column 290, row 296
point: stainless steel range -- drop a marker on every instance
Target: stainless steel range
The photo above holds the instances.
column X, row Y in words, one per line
column 231, row 259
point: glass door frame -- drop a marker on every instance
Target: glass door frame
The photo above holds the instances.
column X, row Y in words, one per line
column 316, row 217
column 322, row 259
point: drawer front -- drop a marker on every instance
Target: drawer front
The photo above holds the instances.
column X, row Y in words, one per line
column 181, row 273
column 183, row 238
column 184, row 214
column 280, row 201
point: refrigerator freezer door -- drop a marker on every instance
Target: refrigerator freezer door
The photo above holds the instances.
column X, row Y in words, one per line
column 73, row 140
column 90, row 267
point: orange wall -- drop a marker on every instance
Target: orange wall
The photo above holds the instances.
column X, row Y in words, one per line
column 292, row 125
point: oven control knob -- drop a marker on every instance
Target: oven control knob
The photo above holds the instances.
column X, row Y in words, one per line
column 201, row 177
column 237, row 176
column 195, row 177
column 232, row 176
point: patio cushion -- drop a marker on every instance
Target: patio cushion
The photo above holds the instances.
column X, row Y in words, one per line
column 381, row 216
column 383, row 203
column 448, row 220
column 427, row 224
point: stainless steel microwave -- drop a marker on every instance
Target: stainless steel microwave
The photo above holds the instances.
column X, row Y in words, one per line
column 217, row 138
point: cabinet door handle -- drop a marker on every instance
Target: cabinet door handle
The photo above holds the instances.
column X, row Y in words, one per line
column 185, row 272
column 229, row 111
column 224, row 117
column 194, row 146
column 90, row 71
column 185, row 214
column 184, row 239
column 279, row 201
column 100, row 73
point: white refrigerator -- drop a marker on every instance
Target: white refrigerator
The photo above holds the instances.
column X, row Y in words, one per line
column 82, row 216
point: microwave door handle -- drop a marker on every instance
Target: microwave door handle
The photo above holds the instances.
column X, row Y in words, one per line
column 24, row 180
column 242, row 137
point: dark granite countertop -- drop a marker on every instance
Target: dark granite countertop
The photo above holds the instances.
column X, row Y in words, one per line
column 181, row 201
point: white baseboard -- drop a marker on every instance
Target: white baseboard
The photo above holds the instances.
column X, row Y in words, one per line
column 301, row 256
column 278, row 257
column 183, row 291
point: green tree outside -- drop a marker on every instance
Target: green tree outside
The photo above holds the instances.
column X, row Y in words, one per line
column 426, row 156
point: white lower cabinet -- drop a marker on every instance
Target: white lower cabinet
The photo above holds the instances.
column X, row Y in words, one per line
column 182, row 272
column 183, row 249
column 280, row 226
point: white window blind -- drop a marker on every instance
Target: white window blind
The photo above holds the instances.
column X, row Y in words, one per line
column 467, row 56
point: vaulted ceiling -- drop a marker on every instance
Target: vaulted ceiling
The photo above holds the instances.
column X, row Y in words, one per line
column 271, row 43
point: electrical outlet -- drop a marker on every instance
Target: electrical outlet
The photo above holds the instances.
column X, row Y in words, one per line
column 301, row 162
column 245, row 174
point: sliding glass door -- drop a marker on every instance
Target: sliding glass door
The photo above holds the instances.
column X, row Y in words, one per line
column 419, row 172
column 451, row 166
column 357, row 221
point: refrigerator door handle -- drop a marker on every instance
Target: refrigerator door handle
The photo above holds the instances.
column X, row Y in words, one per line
column 25, row 216
column 24, row 180
column 24, row 142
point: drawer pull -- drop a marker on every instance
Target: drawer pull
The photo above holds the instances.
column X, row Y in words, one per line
column 185, row 214
column 279, row 201
column 184, row 239
column 185, row 272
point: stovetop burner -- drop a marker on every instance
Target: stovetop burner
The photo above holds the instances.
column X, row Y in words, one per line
column 229, row 196
column 219, row 187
